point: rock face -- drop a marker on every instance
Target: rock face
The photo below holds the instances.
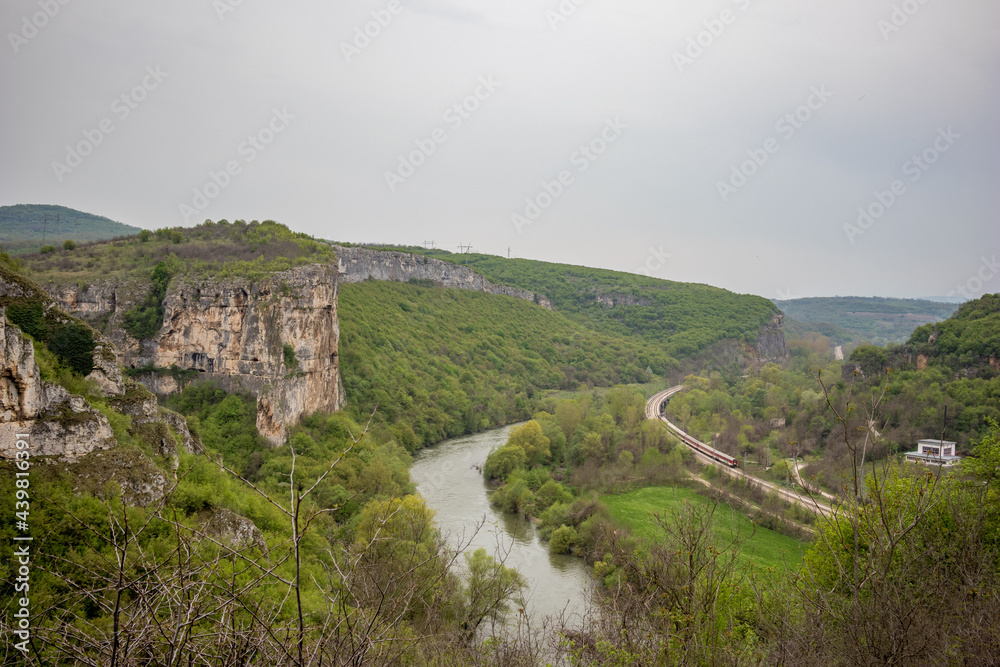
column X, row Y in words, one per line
column 56, row 422
column 358, row 264
column 276, row 338
column 612, row 300
column 770, row 345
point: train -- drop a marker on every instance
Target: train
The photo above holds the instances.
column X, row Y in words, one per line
column 699, row 446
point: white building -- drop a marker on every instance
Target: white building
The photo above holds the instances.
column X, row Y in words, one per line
column 935, row 452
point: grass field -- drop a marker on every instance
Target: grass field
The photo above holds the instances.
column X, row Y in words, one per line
column 765, row 548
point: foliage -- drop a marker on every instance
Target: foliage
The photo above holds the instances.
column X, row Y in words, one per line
column 501, row 463
column 529, row 438
column 777, row 412
column 681, row 318
column 23, row 227
column 224, row 250
column 971, row 335
column 74, row 344
column 856, row 319
column 288, row 354
column 144, row 319
column 443, row 362
column 70, row 340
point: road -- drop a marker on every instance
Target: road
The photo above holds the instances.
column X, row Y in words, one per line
column 653, row 412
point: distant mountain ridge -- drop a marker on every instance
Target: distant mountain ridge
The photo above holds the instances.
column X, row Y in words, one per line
column 24, row 228
column 854, row 319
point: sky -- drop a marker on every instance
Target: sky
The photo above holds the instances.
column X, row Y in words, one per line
column 786, row 148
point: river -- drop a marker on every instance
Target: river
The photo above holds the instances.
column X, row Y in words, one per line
column 446, row 477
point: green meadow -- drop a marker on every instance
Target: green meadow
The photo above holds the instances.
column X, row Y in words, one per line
column 763, row 547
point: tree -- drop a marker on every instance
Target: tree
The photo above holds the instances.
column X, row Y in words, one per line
column 489, row 588
column 530, row 439
column 501, row 463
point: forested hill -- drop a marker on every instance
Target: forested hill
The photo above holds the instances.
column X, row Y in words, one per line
column 681, row 318
column 860, row 319
column 26, row 227
column 970, row 335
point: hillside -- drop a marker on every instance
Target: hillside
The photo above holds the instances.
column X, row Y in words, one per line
column 682, row 318
column 969, row 336
column 223, row 249
column 860, row 319
column 440, row 363
column 24, row 227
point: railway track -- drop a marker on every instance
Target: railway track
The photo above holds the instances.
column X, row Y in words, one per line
column 710, row 456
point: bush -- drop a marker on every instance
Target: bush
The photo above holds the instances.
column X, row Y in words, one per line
column 143, row 320
column 46, row 249
column 29, row 318
column 68, row 244
column 501, row 463
column 564, row 539
column 289, row 354
column 74, row 345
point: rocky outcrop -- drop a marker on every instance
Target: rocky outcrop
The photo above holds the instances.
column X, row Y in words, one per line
column 56, row 422
column 276, row 338
column 141, row 482
column 357, row 264
column 770, row 345
column 231, row 529
column 612, row 300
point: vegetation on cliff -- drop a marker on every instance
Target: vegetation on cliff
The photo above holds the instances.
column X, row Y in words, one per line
column 30, row 309
column 680, row 318
column 213, row 249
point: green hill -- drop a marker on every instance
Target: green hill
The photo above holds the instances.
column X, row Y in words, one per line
column 970, row 336
column 448, row 361
column 861, row 319
column 222, row 249
column 681, row 318
column 24, row 228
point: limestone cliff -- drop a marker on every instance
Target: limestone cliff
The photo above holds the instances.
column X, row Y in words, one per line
column 276, row 338
column 57, row 423
column 768, row 346
column 357, row 264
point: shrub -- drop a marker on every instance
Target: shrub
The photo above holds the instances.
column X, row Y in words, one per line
column 46, row 249
column 563, row 540
column 143, row 320
column 68, row 244
column 29, row 318
column 289, row 354
column 74, row 345
column 501, row 463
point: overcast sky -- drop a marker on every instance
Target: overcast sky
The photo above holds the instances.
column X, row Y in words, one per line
column 728, row 142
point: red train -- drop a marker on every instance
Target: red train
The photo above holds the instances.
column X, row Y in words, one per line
column 700, row 446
